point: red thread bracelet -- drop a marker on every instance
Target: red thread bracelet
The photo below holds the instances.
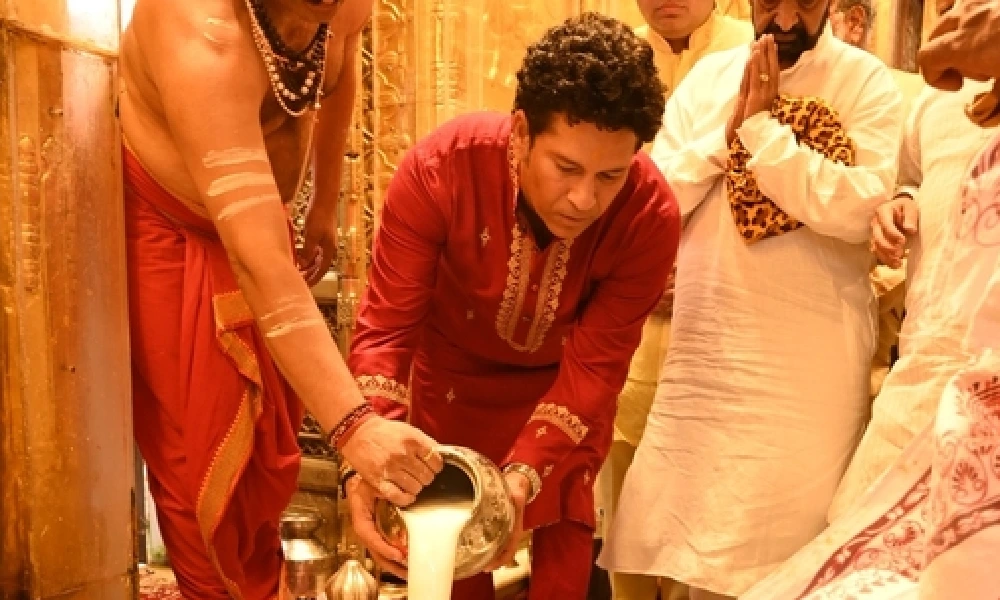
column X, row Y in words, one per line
column 340, row 434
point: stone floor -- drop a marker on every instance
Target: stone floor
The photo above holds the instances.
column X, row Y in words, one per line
column 157, row 583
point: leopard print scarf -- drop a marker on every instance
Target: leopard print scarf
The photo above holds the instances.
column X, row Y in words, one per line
column 815, row 125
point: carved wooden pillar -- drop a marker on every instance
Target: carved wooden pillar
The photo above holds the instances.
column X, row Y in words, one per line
column 67, row 521
column 908, row 34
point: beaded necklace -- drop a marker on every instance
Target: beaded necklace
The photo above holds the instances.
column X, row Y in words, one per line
column 296, row 77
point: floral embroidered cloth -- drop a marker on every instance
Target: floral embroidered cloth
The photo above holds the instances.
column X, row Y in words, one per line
column 929, row 528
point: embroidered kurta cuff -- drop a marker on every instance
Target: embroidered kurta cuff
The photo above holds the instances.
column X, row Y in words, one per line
column 551, row 432
column 390, row 398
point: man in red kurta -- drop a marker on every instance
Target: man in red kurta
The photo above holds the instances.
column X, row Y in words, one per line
column 517, row 259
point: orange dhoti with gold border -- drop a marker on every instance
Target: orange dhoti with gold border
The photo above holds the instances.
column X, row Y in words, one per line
column 214, row 420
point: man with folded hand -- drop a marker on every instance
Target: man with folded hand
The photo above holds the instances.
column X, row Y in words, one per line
column 929, row 526
column 779, row 154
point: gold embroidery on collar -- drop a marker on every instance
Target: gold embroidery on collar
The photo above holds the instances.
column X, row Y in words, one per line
column 550, row 289
column 518, row 276
column 383, row 387
column 561, row 417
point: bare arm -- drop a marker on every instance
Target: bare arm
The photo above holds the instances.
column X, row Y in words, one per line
column 898, row 219
column 211, row 89
column 331, row 143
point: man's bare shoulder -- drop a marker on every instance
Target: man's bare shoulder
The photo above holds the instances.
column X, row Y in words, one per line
column 206, row 43
column 214, row 22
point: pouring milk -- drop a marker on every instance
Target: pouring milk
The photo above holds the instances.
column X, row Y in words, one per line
column 433, row 528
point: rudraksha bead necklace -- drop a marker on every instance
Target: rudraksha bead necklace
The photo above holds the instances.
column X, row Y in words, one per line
column 296, row 77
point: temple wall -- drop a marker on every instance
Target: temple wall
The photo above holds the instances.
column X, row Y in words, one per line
column 67, row 519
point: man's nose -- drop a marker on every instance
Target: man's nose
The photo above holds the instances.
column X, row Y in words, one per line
column 788, row 15
column 583, row 195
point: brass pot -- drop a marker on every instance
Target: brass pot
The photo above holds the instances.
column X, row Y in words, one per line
column 466, row 474
column 308, row 564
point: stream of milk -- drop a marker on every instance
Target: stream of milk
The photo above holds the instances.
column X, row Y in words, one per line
column 433, row 529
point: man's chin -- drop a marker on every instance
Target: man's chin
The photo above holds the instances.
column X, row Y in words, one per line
column 568, row 233
column 321, row 10
column 788, row 59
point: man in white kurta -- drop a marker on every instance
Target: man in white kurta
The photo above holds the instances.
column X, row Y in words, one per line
column 929, row 528
column 678, row 41
column 939, row 143
column 764, row 390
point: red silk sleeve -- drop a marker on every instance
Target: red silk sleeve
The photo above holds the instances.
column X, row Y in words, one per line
column 583, row 400
column 396, row 300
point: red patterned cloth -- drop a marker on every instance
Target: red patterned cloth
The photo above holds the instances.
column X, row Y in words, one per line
column 929, row 529
column 216, row 423
column 515, row 351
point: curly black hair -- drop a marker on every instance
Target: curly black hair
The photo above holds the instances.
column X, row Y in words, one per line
column 594, row 69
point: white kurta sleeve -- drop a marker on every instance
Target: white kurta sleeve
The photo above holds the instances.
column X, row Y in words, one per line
column 910, row 172
column 828, row 197
column 691, row 156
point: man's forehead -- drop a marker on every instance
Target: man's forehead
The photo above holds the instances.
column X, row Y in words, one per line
column 804, row 5
column 575, row 143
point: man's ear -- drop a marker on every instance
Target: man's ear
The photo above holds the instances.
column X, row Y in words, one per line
column 520, row 133
column 857, row 17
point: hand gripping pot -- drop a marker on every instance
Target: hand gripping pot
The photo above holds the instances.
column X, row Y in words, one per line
column 466, row 474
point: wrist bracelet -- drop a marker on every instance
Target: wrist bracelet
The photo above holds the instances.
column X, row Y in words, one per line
column 353, row 429
column 906, row 190
column 349, row 424
column 346, row 473
column 534, row 481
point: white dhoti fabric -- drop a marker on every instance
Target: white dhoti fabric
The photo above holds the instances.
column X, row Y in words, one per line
column 929, row 528
column 741, row 456
column 939, row 144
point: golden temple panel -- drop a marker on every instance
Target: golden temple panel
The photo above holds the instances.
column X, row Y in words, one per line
column 437, row 59
column 66, row 459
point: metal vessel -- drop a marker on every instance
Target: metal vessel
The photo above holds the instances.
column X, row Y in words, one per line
column 466, row 474
column 308, row 564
